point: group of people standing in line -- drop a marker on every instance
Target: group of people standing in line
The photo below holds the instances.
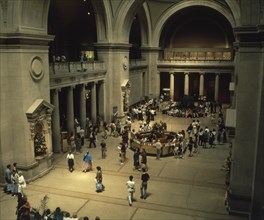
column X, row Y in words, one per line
column 15, row 181
column 15, row 184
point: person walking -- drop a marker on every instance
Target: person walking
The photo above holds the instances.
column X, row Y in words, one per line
column 190, row 146
column 144, row 184
column 136, row 159
column 131, row 189
column 103, row 149
column 99, row 179
column 70, row 157
column 144, row 159
column 92, row 138
column 123, row 153
column 87, row 159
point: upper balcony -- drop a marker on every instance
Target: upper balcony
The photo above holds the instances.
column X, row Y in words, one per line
column 63, row 74
column 193, row 59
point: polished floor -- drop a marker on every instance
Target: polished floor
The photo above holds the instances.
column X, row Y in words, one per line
column 185, row 189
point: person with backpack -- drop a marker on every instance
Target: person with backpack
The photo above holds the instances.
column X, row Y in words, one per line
column 99, row 179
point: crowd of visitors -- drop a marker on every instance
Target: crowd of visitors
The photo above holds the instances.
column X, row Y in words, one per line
column 189, row 140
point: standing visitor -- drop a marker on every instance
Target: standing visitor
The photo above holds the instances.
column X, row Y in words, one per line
column 92, row 138
column 144, row 159
column 131, row 189
column 144, row 184
column 72, row 141
column 158, row 148
column 8, row 179
column 103, row 149
column 136, row 159
column 14, row 178
column 70, row 158
column 21, row 182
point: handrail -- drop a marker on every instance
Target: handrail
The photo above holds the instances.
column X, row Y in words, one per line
column 64, row 67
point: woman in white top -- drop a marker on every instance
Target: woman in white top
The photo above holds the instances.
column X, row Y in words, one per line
column 70, row 157
column 21, row 182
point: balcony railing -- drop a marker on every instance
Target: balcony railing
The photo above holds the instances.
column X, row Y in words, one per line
column 198, row 54
column 137, row 62
column 70, row 67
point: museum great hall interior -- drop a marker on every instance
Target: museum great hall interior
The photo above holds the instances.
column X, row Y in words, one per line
column 133, row 49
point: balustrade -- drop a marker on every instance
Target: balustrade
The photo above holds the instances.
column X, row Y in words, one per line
column 70, row 67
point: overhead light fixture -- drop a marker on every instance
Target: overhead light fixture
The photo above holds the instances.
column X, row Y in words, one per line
column 89, row 13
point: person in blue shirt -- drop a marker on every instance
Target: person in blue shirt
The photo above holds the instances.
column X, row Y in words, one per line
column 87, row 159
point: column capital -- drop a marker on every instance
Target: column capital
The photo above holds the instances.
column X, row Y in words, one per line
column 100, row 82
column 93, row 83
column 202, row 73
column 71, row 87
column 217, row 74
column 186, row 73
column 171, row 73
column 56, row 90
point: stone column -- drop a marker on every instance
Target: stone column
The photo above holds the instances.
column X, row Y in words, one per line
column 116, row 60
column 216, row 92
column 56, row 135
column 70, row 110
column 201, row 86
column 82, row 106
column 157, row 84
column 151, row 55
column 172, row 86
column 101, row 97
column 186, row 83
column 93, row 102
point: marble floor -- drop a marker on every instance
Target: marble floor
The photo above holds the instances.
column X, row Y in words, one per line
column 185, row 189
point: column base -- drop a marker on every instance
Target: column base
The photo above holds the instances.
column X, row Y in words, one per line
column 37, row 169
column 238, row 205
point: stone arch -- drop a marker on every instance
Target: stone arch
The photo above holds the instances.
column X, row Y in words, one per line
column 235, row 10
column 103, row 19
column 207, row 3
column 145, row 25
column 124, row 20
column 25, row 16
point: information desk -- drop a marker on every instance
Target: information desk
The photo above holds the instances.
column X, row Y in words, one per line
column 142, row 141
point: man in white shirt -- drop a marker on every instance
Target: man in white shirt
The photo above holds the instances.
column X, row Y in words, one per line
column 131, row 189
